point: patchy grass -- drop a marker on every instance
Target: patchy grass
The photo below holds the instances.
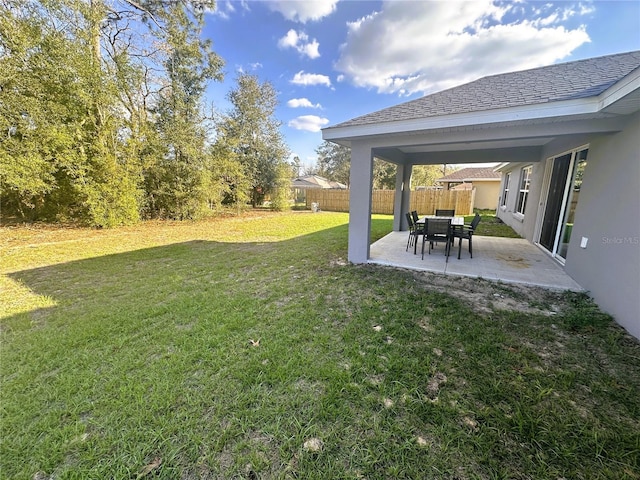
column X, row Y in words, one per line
column 492, row 226
column 249, row 348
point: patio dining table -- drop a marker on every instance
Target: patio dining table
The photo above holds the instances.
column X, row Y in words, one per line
column 456, row 221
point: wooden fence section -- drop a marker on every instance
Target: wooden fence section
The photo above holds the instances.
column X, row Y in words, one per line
column 425, row 202
column 329, row 199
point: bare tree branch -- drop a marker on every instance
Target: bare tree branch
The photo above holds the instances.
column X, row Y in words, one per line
column 142, row 9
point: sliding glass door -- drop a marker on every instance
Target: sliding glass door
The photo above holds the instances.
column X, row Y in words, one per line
column 555, row 196
column 562, row 198
column 579, row 164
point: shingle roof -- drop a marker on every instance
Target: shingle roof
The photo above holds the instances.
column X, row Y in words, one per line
column 471, row 173
column 553, row 83
column 315, row 181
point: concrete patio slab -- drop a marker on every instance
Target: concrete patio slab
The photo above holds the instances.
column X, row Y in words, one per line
column 510, row 260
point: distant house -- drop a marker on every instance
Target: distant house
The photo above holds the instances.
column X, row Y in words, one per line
column 315, row 181
column 485, row 181
column 301, row 184
column 568, row 138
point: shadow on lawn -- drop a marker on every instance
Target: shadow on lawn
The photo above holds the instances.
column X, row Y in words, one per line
column 165, row 273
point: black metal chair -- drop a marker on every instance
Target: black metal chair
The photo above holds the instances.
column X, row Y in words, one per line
column 445, row 213
column 414, row 215
column 437, row 230
column 466, row 233
column 415, row 230
column 412, row 227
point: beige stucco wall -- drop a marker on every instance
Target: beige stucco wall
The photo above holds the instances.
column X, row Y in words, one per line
column 487, row 194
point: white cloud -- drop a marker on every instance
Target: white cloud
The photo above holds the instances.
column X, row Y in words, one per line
column 303, row 10
column 299, row 41
column 309, row 123
column 302, row 78
column 291, row 39
column 302, row 102
column 224, row 9
column 410, row 47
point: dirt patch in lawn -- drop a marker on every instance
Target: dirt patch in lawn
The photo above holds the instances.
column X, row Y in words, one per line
column 487, row 296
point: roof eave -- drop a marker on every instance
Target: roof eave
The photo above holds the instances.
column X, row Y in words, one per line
column 468, row 180
column 583, row 106
column 616, row 92
column 471, row 180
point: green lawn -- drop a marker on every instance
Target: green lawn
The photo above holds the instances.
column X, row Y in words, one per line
column 492, row 226
column 249, row 348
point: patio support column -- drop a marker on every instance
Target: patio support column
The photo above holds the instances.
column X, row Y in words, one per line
column 402, row 201
column 360, row 183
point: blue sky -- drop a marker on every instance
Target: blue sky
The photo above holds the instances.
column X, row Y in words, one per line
column 332, row 60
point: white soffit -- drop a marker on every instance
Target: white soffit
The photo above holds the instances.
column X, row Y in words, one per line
column 446, row 147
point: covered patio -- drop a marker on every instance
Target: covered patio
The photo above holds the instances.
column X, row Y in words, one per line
column 509, row 260
column 536, row 123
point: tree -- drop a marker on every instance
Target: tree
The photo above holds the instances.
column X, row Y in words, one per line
column 384, row 175
column 177, row 182
column 425, row 175
column 60, row 116
column 32, row 141
column 296, row 165
column 250, row 135
column 230, row 183
column 334, row 162
column 99, row 99
column 76, row 101
column 281, row 190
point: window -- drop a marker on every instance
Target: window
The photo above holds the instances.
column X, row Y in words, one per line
column 505, row 190
column 523, row 193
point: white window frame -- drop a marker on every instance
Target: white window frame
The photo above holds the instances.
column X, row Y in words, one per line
column 505, row 190
column 545, row 189
column 523, row 191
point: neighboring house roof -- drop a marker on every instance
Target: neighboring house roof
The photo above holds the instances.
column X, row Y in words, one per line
column 315, row 181
column 554, row 83
column 471, row 174
column 463, row 186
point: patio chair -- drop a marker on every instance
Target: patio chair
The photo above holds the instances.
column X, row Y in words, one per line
column 445, row 213
column 437, row 230
column 466, row 233
column 415, row 230
column 414, row 215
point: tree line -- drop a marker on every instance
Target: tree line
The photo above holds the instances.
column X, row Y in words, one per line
column 103, row 121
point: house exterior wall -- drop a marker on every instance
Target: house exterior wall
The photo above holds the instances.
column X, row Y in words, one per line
column 607, row 214
column 487, row 194
column 523, row 225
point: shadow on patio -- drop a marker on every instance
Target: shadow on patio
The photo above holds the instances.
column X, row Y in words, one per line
column 510, row 260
